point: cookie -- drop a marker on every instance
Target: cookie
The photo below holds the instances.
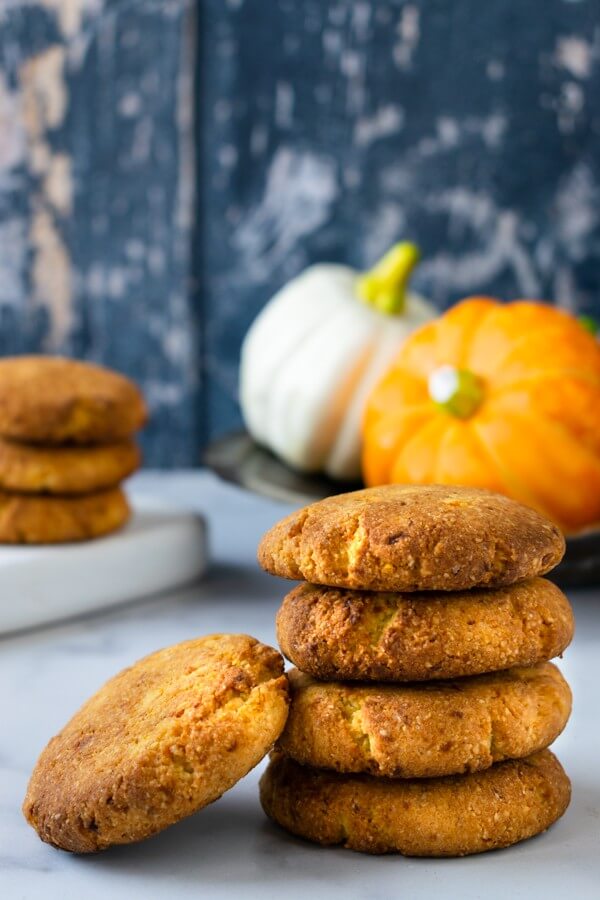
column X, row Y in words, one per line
column 420, row 731
column 53, row 400
column 159, row 741
column 29, row 519
column 407, row 538
column 452, row 816
column 342, row 635
column 30, row 468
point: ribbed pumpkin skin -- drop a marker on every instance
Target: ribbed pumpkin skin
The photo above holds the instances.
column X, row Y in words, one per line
column 535, row 436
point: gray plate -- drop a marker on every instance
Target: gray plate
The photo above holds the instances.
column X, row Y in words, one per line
column 238, row 459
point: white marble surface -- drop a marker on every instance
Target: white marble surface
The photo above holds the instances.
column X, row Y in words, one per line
column 161, row 548
column 230, row 850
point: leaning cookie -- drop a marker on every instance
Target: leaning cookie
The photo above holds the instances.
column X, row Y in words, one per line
column 29, row 519
column 453, row 816
column 159, row 741
column 342, row 635
column 431, row 729
column 30, row 468
column 53, row 400
column 407, row 538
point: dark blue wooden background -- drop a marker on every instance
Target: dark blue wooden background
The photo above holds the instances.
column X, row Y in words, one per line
column 166, row 165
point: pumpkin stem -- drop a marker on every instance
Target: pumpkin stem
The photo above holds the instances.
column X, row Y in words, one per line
column 384, row 286
column 590, row 324
column 456, row 391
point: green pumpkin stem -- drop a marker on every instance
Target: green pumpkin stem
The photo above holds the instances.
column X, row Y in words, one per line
column 384, row 286
column 590, row 324
column 458, row 392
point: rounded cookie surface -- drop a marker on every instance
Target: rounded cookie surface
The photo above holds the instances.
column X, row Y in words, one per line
column 159, row 741
column 344, row 635
column 453, row 816
column 32, row 519
column 420, row 731
column 54, row 400
column 412, row 538
column 30, row 468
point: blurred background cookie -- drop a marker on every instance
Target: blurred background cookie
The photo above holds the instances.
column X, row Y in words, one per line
column 66, row 444
column 35, row 469
column 54, row 400
column 36, row 519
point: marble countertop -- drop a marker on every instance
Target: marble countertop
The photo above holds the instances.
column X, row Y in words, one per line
column 229, row 849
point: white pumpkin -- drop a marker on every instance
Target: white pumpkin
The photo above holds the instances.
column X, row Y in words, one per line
column 312, row 356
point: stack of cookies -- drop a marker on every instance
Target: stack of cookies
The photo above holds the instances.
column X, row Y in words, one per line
column 66, row 444
column 425, row 700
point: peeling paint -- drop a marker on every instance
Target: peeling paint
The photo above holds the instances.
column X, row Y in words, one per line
column 385, row 121
column 70, row 13
column 569, row 106
column 577, row 206
column 13, row 256
column 299, row 191
column 409, row 33
column 44, row 91
column 451, row 133
column 575, row 54
column 51, row 277
column 58, row 184
column 12, row 139
column 501, row 247
column 44, row 105
column 495, row 70
column 284, row 104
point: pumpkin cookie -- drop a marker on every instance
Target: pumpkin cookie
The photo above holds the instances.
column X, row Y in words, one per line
column 407, row 538
column 52, row 400
column 335, row 634
column 452, row 816
column 418, row 731
column 29, row 468
column 29, row 519
column 159, row 741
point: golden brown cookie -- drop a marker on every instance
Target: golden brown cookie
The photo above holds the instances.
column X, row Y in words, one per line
column 159, row 741
column 30, row 468
column 420, row 731
column 344, row 635
column 29, row 519
column 407, row 538
column 452, row 816
column 53, row 400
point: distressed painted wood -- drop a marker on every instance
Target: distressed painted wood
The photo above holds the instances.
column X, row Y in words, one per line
column 473, row 128
column 324, row 129
column 96, row 196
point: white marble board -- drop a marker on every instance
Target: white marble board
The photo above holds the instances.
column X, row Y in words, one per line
column 160, row 548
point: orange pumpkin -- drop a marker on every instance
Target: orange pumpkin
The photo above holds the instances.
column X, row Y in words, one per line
column 500, row 396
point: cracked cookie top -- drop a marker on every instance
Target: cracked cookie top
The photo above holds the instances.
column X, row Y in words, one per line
column 412, row 538
column 54, row 400
column 424, row 730
column 159, row 741
column 336, row 634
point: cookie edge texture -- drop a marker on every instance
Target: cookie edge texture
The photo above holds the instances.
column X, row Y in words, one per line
column 453, row 816
column 412, row 538
column 152, row 790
